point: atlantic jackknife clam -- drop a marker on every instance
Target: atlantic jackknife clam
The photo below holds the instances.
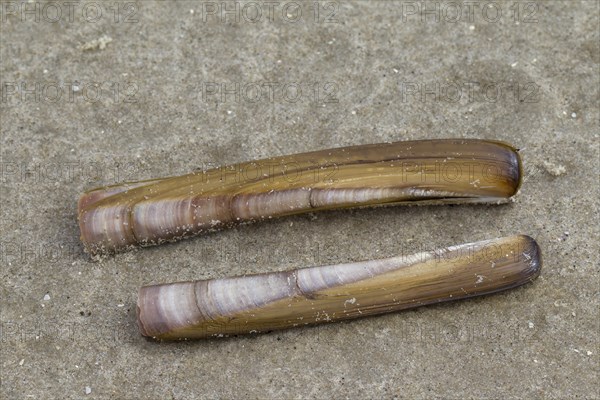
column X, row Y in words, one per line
column 118, row 217
column 279, row 300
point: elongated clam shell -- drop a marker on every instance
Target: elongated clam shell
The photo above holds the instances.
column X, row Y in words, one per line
column 413, row 172
column 278, row 300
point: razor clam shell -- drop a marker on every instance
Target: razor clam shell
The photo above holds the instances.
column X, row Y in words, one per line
column 279, row 300
column 150, row 212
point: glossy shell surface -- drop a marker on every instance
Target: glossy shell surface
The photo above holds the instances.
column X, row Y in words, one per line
column 265, row 302
column 119, row 217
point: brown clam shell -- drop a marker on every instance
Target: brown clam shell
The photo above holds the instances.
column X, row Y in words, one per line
column 279, row 300
column 445, row 171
